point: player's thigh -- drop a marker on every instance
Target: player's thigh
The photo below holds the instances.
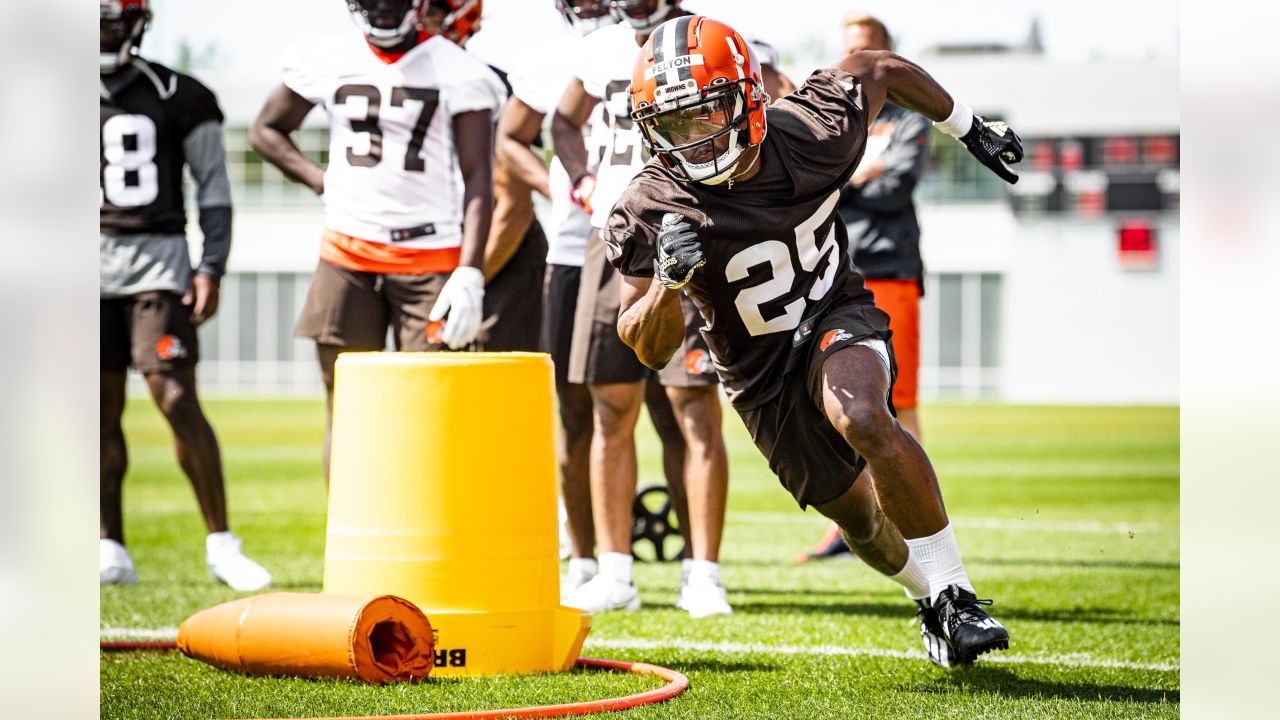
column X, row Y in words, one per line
column 344, row 308
column 113, row 334
column 161, row 336
column 811, row 460
column 409, row 299
column 855, row 384
column 512, row 299
column 615, row 407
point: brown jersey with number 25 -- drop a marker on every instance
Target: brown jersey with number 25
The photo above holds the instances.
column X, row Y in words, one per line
column 776, row 251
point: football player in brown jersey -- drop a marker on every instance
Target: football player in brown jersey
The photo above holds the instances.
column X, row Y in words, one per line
column 738, row 212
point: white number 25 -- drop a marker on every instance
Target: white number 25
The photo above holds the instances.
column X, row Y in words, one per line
column 777, row 256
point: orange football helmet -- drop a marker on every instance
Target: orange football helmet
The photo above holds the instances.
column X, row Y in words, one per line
column 462, row 21
column 698, row 98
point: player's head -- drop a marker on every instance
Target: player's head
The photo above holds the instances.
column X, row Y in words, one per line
column 586, row 16
column 643, row 15
column 386, row 23
column 121, row 25
column 698, row 98
column 457, row 20
column 865, row 32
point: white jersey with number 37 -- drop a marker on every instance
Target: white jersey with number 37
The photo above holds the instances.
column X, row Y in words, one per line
column 393, row 171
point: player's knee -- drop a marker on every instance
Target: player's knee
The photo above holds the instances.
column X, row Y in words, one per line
column 178, row 403
column 866, row 424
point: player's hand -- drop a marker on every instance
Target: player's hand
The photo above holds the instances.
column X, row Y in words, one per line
column 996, row 145
column 581, row 193
column 679, row 252
column 462, row 300
column 202, row 298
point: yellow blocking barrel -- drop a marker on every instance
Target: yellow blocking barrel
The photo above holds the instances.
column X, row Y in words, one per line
column 442, row 491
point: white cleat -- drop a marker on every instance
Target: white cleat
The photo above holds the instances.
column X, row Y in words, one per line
column 115, row 567
column 573, row 580
column 703, row 597
column 602, row 593
column 230, row 566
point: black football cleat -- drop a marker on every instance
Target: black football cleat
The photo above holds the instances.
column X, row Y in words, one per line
column 967, row 627
column 935, row 641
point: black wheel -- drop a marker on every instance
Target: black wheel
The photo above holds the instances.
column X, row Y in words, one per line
column 655, row 531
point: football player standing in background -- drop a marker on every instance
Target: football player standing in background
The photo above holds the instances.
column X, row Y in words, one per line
column 613, row 375
column 879, row 212
column 408, row 192
column 153, row 121
column 744, row 222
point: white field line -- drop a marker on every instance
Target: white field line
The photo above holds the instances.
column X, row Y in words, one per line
column 1074, row 660
column 1082, row 526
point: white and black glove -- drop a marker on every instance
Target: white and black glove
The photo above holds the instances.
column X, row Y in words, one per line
column 462, row 300
column 679, row 252
column 994, row 143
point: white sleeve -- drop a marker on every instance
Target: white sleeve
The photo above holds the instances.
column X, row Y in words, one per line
column 304, row 71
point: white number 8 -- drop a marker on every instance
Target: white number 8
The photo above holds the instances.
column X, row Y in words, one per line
column 121, row 161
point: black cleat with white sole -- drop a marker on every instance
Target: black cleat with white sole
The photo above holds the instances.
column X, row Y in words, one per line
column 967, row 627
column 935, row 642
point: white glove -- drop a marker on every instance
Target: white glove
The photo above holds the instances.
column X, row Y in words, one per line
column 462, row 299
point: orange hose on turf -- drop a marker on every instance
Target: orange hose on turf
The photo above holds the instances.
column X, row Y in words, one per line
column 676, row 684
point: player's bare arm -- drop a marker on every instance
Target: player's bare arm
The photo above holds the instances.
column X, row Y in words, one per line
column 566, row 132
column 473, row 139
column 281, row 114
column 650, row 321
column 518, row 127
column 887, row 76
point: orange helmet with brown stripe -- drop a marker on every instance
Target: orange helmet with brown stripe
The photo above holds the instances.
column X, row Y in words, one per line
column 698, row 98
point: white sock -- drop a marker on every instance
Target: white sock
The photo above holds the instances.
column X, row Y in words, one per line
column 616, row 565
column 705, row 569
column 939, row 558
column 218, row 543
column 912, row 579
column 583, row 566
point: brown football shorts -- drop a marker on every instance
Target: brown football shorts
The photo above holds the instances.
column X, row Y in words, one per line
column 352, row 309
column 150, row 331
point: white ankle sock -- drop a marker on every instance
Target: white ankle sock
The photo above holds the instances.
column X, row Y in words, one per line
column 616, row 566
column 939, row 559
column 912, row 579
column 705, row 569
column 583, row 566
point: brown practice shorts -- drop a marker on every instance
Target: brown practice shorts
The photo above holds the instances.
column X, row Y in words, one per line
column 352, row 309
column 512, row 299
column 151, row 331
column 599, row 357
column 901, row 300
column 810, row 457
column 559, row 300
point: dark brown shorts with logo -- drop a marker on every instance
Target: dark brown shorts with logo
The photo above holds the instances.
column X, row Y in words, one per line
column 150, row 331
column 599, row 357
column 811, row 459
column 353, row 309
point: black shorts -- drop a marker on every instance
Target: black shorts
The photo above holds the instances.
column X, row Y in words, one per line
column 810, row 457
column 150, row 331
column 559, row 299
column 599, row 357
column 512, row 309
column 352, row 309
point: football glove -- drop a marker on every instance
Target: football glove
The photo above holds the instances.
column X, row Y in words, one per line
column 581, row 193
column 679, row 252
column 462, row 300
column 995, row 145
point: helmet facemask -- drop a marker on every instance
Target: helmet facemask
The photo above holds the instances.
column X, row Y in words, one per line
column 386, row 23
column 120, row 32
column 701, row 138
column 586, row 16
column 639, row 16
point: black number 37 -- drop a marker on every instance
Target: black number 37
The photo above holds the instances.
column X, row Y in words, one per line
column 413, row 160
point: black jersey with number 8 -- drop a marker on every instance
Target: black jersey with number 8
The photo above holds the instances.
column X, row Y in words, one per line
column 776, row 252
column 143, row 124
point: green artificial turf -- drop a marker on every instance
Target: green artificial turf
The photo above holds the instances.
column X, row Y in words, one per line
column 1067, row 517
